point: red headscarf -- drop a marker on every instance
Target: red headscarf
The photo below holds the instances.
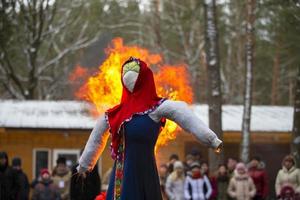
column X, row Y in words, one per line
column 142, row 100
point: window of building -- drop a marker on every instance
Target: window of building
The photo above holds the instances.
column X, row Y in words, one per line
column 71, row 155
column 41, row 159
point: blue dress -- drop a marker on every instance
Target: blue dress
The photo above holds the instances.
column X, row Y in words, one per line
column 140, row 179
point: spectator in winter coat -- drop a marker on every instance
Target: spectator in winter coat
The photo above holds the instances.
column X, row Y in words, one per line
column 189, row 159
column 45, row 188
column 231, row 164
column 259, row 177
column 62, row 178
column 288, row 175
column 163, row 174
column 221, row 181
column 173, row 158
column 195, row 183
column 23, row 192
column 175, row 182
column 87, row 187
column 241, row 186
column 9, row 185
column 204, row 168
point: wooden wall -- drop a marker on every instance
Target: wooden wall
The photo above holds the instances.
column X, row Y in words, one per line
column 22, row 142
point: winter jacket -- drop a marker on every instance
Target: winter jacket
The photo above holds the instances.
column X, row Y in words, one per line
column 241, row 187
column 175, row 187
column 45, row 190
column 194, row 188
column 23, row 192
column 85, row 188
column 288, row 177
column 259, row 177
column 62, row 181
column 220, row 185
column 9, row 184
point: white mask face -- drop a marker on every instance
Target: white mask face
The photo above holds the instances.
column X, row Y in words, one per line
column 129, row 79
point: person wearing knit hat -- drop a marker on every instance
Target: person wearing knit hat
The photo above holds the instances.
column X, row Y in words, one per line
column 175, row 182
column 241, row 186
column 45, row 188
column 195, row 183
column 62, row 178
column 45, row 172
column 23, row 191
column 288, row 175
column 241, row 167
column 178, row 164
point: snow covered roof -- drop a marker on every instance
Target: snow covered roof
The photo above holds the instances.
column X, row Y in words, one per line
column 76, row 115
column 263, row 118
column 45, row 114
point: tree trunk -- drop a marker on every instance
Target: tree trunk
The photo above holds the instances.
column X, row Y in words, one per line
column 275, row 78
column 214, row 80
column 156, row 26
column 245, row 146
column 296, row 126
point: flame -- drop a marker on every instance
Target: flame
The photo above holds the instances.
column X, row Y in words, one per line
column 104, row 89
column 78, row 73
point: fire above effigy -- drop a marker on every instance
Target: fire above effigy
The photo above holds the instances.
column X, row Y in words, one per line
column 104, row 88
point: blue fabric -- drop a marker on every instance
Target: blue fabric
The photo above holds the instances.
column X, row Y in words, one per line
column 140, row 180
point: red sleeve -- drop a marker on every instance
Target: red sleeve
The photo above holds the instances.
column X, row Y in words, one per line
column 265, row 190
column 214, row 187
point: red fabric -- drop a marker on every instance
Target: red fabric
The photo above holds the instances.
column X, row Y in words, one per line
column 142, row 98
column 214, row 187
column 44, row 171
column 101, row 196
column 260, row 180
column 196, row 175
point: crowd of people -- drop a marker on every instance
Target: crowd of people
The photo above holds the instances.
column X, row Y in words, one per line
column 187, row 180
column 62, row 183
column 192, row 180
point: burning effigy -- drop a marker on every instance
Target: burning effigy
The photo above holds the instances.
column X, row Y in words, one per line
column 137, row 119
column 104, row 88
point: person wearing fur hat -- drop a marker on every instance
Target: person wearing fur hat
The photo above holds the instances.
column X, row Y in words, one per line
column 23, row 192
column 195, row 183
column 175, row 182
column 62, row 178
column 288, row 175
column 45, row 189
column 241, row 186
column 9, row 185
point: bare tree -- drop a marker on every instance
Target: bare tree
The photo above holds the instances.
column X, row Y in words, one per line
column 245, row 146
column 296, row 126
column 176, row 33
column 214, row 80
column 34, row 51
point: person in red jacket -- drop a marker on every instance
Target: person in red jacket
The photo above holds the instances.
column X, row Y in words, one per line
column 259, row 176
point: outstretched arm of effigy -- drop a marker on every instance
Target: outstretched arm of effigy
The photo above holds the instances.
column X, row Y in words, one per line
column 94, row 146
column 179, row 112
